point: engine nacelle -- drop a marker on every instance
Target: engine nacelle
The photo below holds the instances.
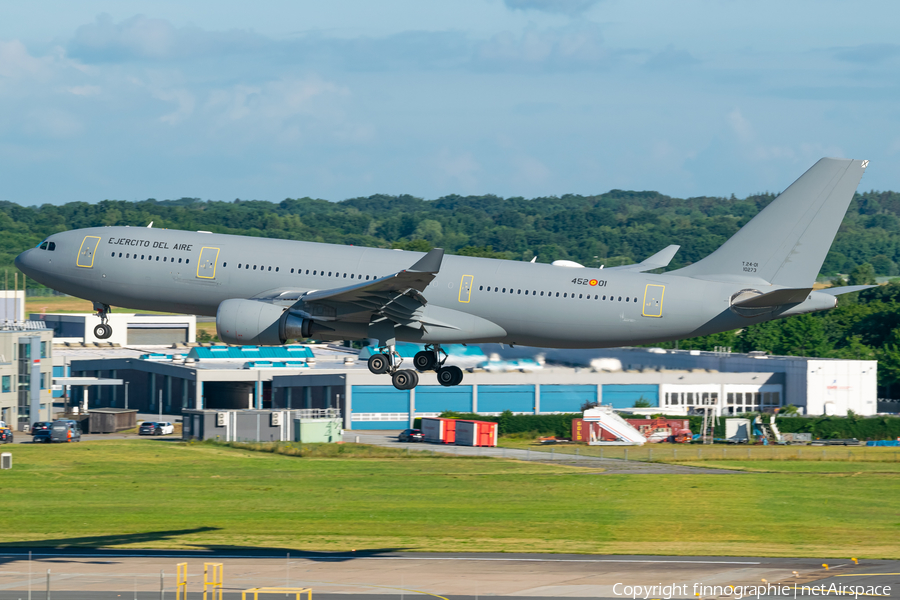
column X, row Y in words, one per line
column 249, row 322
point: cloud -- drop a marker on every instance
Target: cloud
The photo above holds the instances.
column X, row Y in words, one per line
column 868, row 53
column 565, row 7
column 144, row 38
column 670, row 58
column 16, row 62
column 570, row 48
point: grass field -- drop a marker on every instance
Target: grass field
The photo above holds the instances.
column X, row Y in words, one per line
column 164, row 494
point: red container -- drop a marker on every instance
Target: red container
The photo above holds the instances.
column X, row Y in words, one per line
column 476, row 433
column 439, row 431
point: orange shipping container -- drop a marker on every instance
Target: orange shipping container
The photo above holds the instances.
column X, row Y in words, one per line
column 439, row 431
column 476, row 433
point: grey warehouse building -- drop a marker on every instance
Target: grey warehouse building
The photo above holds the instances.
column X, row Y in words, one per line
column 332, row 377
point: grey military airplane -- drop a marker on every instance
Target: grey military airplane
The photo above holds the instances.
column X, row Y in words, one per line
column 266, row 292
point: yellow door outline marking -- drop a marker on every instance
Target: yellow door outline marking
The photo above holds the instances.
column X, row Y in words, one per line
column 214, row 262
column 462, row 286
column 78, row 258
column 661, row 295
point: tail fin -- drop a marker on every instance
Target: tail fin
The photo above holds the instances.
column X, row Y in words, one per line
column 786, row 243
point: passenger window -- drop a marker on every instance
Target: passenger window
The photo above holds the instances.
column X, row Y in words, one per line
column 254, row 267
column 224, row 264
column 276, row 269
column 179, row 261
column 579, row 296
column 565, row 295
column 270, row 268
column 292, row 270
column 620, row 298
column 542, row 293
column 142, row 257
column 113, row 254
column 120, row 255
column 157, row 259
column 627, row 299
column 345, row 276
column 329, row 273
column 187, row 260
column 367, row 277
column 480, row 287
column 127, row 255
column 520, row 291
column 504, row 290
column 557, row 294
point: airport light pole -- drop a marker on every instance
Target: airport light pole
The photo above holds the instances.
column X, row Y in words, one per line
column 126, row 395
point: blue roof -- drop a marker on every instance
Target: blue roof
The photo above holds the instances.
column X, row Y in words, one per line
column 293, row 352
column 408, row 350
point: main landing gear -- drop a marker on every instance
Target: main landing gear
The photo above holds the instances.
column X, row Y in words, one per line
column 103, row 330
column 431, row 359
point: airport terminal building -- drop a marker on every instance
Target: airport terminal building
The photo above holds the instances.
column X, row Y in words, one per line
column 522, row 380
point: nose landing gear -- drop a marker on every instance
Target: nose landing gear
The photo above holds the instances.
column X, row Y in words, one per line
column 103, row 330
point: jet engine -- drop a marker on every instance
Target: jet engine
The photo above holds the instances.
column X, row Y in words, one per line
column 257, row 323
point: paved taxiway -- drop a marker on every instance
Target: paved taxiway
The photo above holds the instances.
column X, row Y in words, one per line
column 97, row 575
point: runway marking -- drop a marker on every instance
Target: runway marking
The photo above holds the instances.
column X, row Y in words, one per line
column 866, row 574
column 353, row 557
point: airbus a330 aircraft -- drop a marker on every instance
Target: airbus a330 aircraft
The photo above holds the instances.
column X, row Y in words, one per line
column 266, row 292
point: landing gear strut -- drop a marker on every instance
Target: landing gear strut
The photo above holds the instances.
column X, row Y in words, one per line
column 433, row 359
column 386, row 360
column 103, row 330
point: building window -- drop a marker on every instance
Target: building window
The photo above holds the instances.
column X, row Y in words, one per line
column 7, row 383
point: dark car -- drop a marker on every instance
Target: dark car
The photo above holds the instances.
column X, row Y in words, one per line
column 40, row 426
column 65, row 430
column 6, row 435
column 42, row 437
column 150, row 428
column 411, row 435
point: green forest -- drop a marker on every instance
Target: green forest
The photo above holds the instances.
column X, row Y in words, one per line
column 618, row 227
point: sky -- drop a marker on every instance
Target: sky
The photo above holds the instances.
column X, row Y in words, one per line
column 221, row 100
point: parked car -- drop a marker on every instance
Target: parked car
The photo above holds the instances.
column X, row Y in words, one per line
column 411, row 435
column 6, row 435
column 40, row 426
column 156, row 428
column 42, row 437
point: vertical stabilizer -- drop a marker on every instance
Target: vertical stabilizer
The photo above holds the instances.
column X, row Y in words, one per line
column 786, row 243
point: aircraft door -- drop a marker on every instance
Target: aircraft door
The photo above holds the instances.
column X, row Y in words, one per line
column 206, row 266
column 465, row 288
column 653, row 300
column 86, row 252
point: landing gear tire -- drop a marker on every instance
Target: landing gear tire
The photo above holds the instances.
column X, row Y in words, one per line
column 379, row 363
column 449, row 376
column 425, row 361
column 405, row 379
column 102, row 331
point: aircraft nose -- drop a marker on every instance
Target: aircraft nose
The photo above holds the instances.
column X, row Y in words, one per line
column 23, row 263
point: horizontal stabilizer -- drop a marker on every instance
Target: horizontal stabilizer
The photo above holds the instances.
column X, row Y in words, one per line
column 657, row 261
column 846, row 289
column 776, row 298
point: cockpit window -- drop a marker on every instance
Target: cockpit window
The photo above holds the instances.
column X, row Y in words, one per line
column 43, row 246
column 52, row 246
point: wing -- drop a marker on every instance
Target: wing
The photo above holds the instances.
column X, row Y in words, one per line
column 657, row 261
column 397, row 297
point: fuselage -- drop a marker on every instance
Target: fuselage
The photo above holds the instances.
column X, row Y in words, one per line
column 534, row 304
